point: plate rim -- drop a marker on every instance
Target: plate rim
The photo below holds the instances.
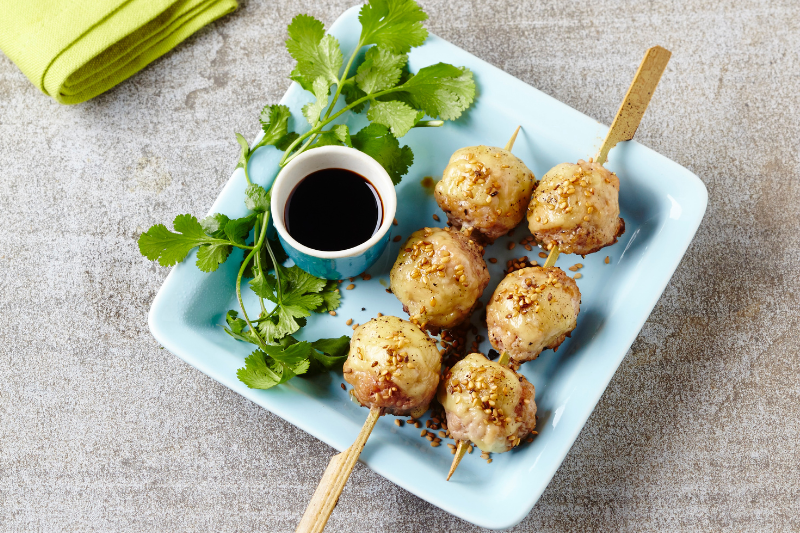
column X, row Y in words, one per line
column 158, row 324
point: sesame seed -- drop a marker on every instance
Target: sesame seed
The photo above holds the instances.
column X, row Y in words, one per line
column 350, row 287
column 380, row 315
column 542, row 255
column 349, row 321
column 366, row 277
column 397, row 238
column 442, row 434
column 435, row 444
column 511, row 245
column 355, row 326
column 332, row 313
column 436, row 217
column 342, row 386
column 578, row 275
column 608, row 259
column 398, row 423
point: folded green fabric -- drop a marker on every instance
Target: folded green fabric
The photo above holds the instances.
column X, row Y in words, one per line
column 74, row 50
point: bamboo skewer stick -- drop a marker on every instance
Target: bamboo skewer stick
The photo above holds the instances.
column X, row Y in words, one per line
column 636, row 100
column 552, row 257
column 510, row 143
column 334, row 479
column 631, row 110
column 461, row 447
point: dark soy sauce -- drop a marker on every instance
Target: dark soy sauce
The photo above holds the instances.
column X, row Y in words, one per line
column 333, row 209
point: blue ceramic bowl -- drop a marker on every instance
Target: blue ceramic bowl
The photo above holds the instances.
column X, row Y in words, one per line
column 345, row 263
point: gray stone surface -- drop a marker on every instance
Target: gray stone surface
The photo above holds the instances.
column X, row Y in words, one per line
column 101, row 430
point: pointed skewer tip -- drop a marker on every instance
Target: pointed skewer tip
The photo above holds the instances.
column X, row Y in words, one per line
column 461, row 449
column 510, row 143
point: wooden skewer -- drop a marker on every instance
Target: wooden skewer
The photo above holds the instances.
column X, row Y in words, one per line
column 630, row 110
column 461, row 447
column 552, row 257
column 334, row 479
column 510, row 143
column 636, row 100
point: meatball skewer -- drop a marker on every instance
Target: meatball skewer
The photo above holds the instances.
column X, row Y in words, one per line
column 485, row 190
column 394, row 368
column 575, row 207
column 505, row 357
column 487, row 404
column 532, row 309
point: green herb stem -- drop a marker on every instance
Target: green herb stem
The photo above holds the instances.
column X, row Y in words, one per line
column 256, row 249
column 316, row 129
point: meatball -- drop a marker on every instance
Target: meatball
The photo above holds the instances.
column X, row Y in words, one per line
column 576, row 206
column 532, row 309
column 487, row 403
column 438, row 277
column 486, row 189
column 393, row 365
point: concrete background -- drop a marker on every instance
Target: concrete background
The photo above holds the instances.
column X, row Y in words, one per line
column 100, row 430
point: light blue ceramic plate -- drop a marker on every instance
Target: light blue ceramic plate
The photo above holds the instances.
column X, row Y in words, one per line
column 662, row 204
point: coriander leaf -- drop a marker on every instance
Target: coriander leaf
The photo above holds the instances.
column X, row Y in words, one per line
column 275, row 123
column 321, row 362
column 169, row 248
column 214, row 225
column 263, row 371
column 441, row 90
column 380, row 70
column 298, row 297
column 264, row 286
column 395, row 24
column 331, row 297
column 286, row 140
column 245, row 153
column 317, row 54
column 301, row 281
column 291, row 354
column 281, row 323
column 238, row 229
column 328, row 354
column 352, row 93
column 377, row 141
column 313, row 109
column 236, row 328
column 256, row 198
column 210, row 256
column 397, row 116
column 337, row 135
column 335, row 347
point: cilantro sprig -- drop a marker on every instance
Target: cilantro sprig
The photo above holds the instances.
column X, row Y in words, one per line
column 396, row 101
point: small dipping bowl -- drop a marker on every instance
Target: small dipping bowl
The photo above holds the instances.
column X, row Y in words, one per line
column 338, row 264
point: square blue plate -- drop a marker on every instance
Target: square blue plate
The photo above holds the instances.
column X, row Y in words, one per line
column 662, row 204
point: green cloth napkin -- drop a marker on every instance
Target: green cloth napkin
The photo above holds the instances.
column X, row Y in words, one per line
column 74, row 50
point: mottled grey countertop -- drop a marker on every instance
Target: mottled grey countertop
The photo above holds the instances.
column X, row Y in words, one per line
column 101, row 430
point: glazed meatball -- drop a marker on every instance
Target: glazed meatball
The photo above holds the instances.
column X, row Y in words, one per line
column 532, row 309
column 488, row 404
column 393, row 365
column 576, row 206
column 485, row 189
column 438, row 277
